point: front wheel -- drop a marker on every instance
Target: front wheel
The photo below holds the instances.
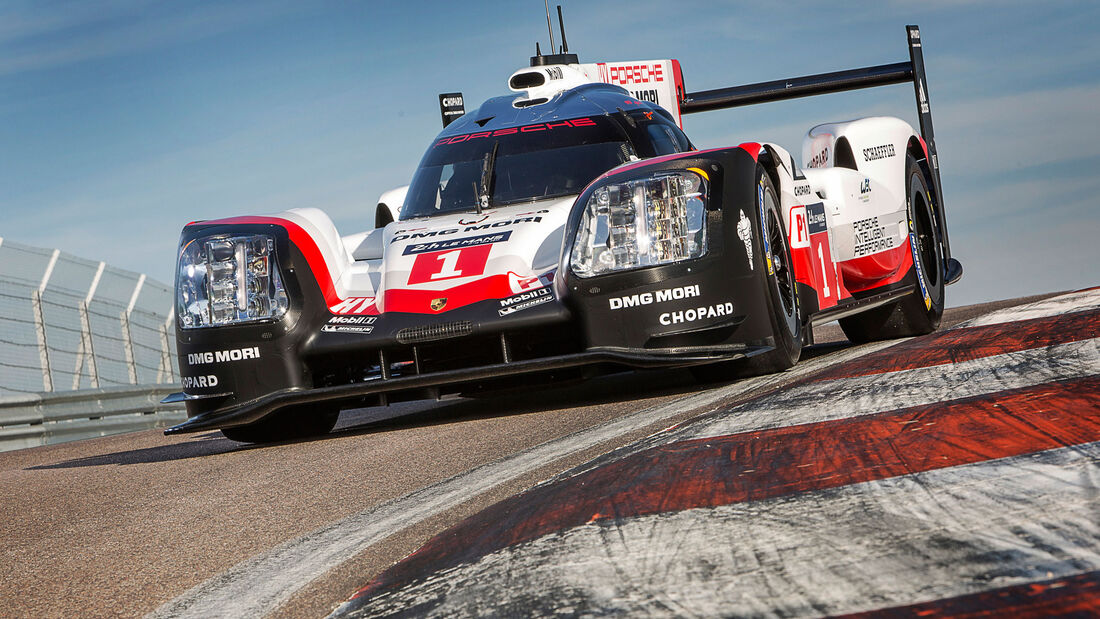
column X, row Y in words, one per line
column 287, row 424
column 920, row 312
column 780, row 294
column 782, row 297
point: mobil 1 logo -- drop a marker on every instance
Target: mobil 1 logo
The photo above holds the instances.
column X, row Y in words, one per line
column 526, row 300
column 349, row 324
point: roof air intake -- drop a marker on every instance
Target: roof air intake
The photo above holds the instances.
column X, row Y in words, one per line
column 528, row 79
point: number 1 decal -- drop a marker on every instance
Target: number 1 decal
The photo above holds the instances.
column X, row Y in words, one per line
column 824, row 269
column 450, row 262
column 440, row 265
column 825, row 276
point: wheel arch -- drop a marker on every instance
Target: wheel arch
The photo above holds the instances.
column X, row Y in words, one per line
column 774, row 160
column 771, row 158
column 915, row 148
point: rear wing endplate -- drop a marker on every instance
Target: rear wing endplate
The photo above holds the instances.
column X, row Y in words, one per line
column 839, row 81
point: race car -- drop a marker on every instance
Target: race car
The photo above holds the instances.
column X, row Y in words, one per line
column 564, row 230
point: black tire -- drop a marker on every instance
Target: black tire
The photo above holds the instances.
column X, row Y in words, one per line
column 920, row 312
column 287, row 424
column 782, row 297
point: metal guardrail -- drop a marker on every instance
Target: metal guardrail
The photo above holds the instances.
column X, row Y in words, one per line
column 85, row 349
column 44, row 418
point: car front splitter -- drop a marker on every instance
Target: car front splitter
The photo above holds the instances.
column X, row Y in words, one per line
column 255, row 410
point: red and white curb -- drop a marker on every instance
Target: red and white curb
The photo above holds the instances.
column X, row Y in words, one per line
column 947, row 474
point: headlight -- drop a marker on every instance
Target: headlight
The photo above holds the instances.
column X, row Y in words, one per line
column 644, row 222
column 224, row 280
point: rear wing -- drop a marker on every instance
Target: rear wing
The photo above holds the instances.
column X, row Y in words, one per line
column 840, row 81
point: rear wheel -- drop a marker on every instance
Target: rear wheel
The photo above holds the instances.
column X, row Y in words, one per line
column 781, row 296
column 287, row 424
column 920, row 312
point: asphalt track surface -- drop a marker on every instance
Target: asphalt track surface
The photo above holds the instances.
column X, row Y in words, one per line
column 202, row 526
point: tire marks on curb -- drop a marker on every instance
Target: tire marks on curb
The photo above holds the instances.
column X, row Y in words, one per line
column 718, row 471
column 930, row 535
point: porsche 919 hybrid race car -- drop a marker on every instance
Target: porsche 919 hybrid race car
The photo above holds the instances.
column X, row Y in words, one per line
column 564, row 230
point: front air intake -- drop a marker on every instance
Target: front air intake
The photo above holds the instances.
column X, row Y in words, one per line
column 432, row 333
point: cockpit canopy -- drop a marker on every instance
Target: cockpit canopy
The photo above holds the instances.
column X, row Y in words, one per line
column 536, row 161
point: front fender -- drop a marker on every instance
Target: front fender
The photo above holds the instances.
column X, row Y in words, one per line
column 227, row 366
column 715, row 301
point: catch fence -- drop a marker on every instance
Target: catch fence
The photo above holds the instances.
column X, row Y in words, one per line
column 76, row 335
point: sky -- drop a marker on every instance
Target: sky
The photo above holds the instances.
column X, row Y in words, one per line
column 122, row 120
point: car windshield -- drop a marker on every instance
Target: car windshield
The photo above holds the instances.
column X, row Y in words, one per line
column 533, row 162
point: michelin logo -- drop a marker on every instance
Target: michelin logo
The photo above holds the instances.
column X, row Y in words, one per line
column 349, row 324
column 345, row 329
column 524, row 301
column 744, row 232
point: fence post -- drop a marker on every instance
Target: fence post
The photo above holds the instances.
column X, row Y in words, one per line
column 40, row 323
column 165, row 368
column 87, row 348
column 127, row 339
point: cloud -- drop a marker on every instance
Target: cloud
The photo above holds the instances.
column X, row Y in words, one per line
column 33, row 43
column 988, row 135
column 1005, row 263
column 45, row 19
column 1036, row 201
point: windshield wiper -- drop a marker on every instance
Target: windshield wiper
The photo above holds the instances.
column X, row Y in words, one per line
column 484, row 193
column 627, row 145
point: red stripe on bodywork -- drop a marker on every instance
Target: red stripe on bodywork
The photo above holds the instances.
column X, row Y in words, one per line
column 1072, row 596
column 645, row 162
column 678, row 77
column 881, row 269
column 752, row 148
column 958, row 345
column 771, row 463
column 302, row 240
column 747, row 147
column 419, row 301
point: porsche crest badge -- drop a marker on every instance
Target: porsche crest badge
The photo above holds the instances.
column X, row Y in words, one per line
column 438, row 304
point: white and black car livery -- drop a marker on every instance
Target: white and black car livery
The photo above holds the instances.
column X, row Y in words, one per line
column 564, row 230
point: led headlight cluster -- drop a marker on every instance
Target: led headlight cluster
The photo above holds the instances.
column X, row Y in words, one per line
column 224, row 280
column 655, row 220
